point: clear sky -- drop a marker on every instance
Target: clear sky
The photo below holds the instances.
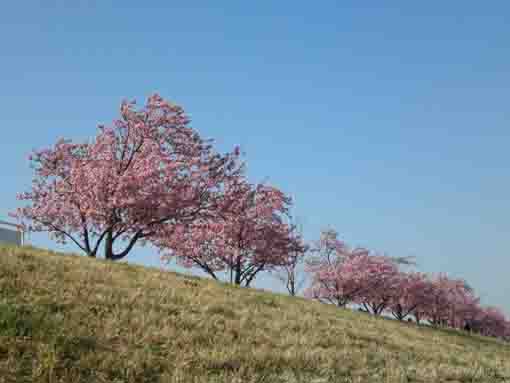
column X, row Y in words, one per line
column 389, row 123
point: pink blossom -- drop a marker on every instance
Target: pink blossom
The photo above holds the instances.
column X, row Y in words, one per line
column 146, row 173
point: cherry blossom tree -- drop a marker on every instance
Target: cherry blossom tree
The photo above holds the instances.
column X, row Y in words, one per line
column 149, row 172
column 325, row 254
column 490, row 321
column 411, row 296
column 448, row 300
column 341, row 275
column 381, row 280
column 248, row 235
column 464, row 305
column 334, row 267
column 506, row 332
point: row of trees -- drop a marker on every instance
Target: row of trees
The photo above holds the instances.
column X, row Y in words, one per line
column 342, row 276
column 151, row 178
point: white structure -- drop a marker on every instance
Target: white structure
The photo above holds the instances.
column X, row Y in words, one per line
column 11, row 233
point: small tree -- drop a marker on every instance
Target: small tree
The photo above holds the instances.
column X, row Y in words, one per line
column 291, row 274
column 411, row 296
column 380, row 279
column 448, row 300
column 490, row 321
column 332, row 267
column 247, row 235
column 328, row 250
column 147, row 173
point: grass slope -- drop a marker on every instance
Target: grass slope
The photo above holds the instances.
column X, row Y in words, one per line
column 71, row 319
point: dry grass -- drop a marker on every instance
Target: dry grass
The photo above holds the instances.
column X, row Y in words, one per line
column 71, row 319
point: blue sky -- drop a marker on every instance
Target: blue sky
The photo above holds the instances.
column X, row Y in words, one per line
column 388, row 123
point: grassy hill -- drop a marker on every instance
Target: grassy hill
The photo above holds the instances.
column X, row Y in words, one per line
column 66, row 318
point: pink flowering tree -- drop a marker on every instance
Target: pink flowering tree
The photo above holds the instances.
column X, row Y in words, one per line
column 381, row 280
column 247, row 235
column 464, row 305
column 147, row 173
column 334, row 268
column 490, row 321
column 411, row 296
column 341, row 275
column 449, row 301
column 436, row 310
column 506, row 332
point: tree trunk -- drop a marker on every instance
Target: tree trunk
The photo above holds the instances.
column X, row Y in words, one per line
column 108, row 246
column 238, row 271
column 291, row 286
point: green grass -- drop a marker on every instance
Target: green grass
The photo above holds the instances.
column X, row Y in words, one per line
column 67, row 318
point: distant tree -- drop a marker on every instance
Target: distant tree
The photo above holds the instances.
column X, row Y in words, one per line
column 148, row 173
column 449, row 301
column 506, row 332
column 328, row 250
column 380, row 279
column 291, row 274
column 491, row 321
column 464, row 305
column 411, row 295
column 333, row 267
column 247, row 235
